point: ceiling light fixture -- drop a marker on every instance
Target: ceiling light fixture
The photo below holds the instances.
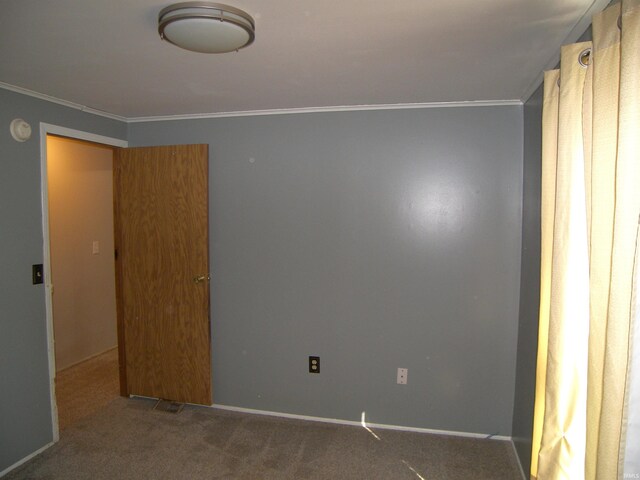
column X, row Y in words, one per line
column 206, row 27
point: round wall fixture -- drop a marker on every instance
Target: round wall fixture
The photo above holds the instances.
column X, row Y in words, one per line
column 206, row 27
column 20, row 130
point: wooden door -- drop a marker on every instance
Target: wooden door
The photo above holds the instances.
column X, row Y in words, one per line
column 162, row 264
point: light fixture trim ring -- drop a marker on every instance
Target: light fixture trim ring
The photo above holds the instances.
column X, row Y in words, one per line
column 207, row 6
column 221, row 9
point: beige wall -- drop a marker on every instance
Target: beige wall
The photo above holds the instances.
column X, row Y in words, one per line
column 81, row 213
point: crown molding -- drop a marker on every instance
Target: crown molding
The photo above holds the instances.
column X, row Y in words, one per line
column 257, row 113
column 341, row 108
column 59, row 101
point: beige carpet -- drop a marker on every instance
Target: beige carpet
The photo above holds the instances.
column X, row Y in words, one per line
column 87, row 387
column 127, row 439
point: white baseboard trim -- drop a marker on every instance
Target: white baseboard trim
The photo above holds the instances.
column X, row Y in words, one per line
column 90, row 357
column 515, row 452
column 25, row 459
column 360, row 424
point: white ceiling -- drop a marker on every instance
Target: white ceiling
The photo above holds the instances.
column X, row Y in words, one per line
column 107, row 55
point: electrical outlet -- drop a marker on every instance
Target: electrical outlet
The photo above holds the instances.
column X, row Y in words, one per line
column 403, row 373
column 314, row 364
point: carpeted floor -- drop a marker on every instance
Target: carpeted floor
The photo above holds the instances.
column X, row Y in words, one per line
column 127, row 439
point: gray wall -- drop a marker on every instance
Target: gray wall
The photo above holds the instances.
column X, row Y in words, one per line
column 25, row 417
column 376, row 240
column 529, row 281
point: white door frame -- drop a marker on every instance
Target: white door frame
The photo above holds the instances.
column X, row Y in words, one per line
column 45, row 129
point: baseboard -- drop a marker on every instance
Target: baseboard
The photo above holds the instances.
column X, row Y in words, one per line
column 362, row 423
column 515, row 452
column 25, row 459
column 90, row 357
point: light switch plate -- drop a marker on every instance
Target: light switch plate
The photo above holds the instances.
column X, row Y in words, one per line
column 37, row 274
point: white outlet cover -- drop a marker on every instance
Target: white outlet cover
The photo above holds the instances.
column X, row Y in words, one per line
column 403, row 374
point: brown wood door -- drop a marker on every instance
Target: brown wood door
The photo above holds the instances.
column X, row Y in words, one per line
column 162, row 266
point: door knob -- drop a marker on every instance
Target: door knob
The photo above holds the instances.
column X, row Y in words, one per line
column 201, row 278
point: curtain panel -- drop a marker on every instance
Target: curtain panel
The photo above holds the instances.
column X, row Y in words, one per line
column 587, row 392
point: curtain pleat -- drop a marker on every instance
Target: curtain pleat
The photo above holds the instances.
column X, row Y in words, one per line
column 562, row 447
column 587, row 382
column 547, row 214
column 629, row 461
column 625, row 228
column 630, row 458
column 605, row 66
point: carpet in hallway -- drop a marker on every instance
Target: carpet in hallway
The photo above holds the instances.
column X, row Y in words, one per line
column 87, row 387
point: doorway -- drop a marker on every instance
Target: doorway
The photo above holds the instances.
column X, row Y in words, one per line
column 67, row 353
column 80, row 187
column 160, row 197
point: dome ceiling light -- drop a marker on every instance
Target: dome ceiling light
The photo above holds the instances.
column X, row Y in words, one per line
column 206, row 27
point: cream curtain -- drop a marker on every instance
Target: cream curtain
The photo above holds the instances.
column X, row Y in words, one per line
column 632, row 401
column 585, row 396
